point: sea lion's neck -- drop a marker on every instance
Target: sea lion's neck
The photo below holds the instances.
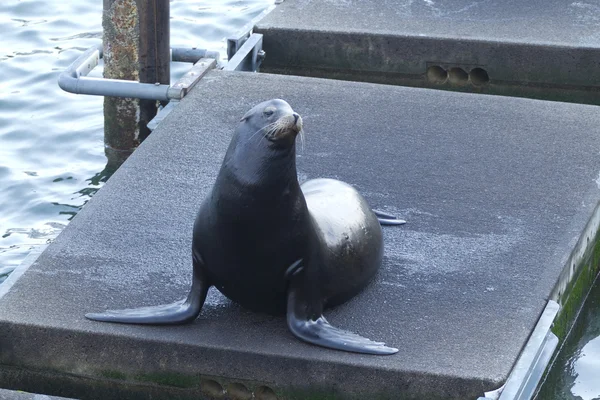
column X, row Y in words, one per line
column 253, row 167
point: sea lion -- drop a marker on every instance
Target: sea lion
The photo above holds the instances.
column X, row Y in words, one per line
column 274, row 246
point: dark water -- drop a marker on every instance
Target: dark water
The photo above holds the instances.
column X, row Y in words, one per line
column 575, row 374
column 51, row 142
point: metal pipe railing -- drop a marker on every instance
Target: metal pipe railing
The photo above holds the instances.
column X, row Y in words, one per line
column 75, row 80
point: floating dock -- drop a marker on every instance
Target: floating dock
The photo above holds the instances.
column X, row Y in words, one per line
column 540, row 49
column 500, row 194
column 496, row 191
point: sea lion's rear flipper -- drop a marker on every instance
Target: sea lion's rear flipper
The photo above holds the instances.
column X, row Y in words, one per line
column 180, row 312
column 388, row 219
column 304, row 319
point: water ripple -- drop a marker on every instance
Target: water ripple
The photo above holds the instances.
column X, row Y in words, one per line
column 52, row 154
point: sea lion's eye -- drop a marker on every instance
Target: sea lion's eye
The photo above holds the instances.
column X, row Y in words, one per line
column 269, row 111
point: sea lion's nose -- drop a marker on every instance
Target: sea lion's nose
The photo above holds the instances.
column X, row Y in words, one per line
column 296, row 116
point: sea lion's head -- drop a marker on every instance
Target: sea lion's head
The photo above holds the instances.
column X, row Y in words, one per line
column 273, row 120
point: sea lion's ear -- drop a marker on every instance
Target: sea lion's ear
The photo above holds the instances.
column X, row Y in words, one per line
column 247, row 115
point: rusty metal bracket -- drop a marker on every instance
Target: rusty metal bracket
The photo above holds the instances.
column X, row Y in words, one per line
column 178, row 90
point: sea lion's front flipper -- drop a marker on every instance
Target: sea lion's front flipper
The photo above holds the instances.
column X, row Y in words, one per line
column 304, row 319
column 180, row 312
column 388, row 219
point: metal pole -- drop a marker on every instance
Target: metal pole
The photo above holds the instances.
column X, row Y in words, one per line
column 136, row 47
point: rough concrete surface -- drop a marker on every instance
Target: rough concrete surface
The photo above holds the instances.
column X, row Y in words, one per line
column 495, row 190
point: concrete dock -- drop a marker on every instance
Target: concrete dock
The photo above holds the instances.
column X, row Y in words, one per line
column 499, row 194
column 538, row 49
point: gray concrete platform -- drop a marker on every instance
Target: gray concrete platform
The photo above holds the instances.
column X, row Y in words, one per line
column 539, row 48
column 496, row 192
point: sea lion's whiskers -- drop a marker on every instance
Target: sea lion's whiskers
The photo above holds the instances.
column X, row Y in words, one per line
column 301, row 133
column 274, row 127
column 267, row 133
column 264, row 127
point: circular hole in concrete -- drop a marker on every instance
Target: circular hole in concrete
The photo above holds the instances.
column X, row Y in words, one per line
column 436, row 74
column 237, row 391
column 479, row 76
column 211, row 388
column 265, row 393
column 458, row 76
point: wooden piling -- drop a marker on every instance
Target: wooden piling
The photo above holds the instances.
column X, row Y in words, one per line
column 136, row 47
